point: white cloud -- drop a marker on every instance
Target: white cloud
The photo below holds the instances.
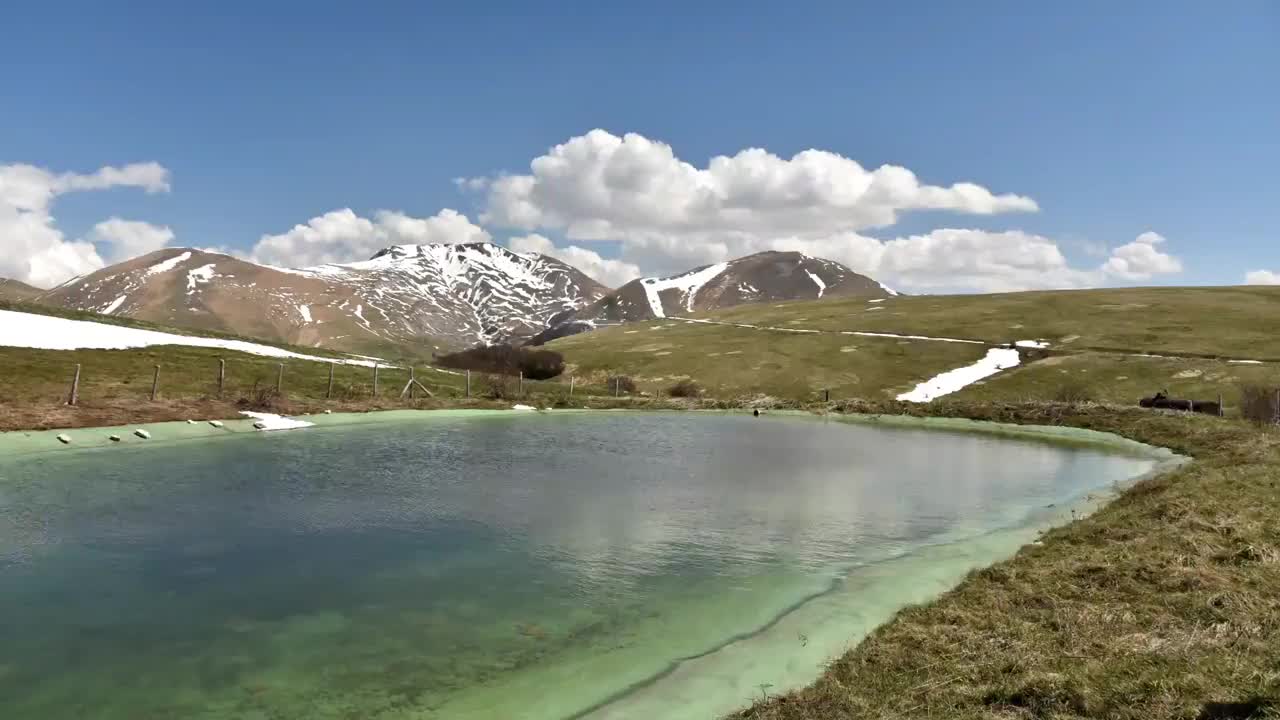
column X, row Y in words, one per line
column 613, row 273
column 669, row 215
column 1141, row 259
column 601, row 186
column 344, row 236
column 1261, row 277
column 130, row 238
column 32, row 248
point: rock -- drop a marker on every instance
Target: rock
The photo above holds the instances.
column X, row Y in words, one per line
column 260, row 425
column 142, row 434
column 191, row 422
column 113, row 438
column 64, row 438
column 216, row 423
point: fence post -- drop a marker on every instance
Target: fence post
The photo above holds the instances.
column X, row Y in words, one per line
column 468, row 383
column 329, row 392
column 375, row 379
column 616, row 383
column 1275, row 408
column 155, row 384
column 1221, row 412
column 222, row 375
column 521, row 383
column 279, row 377
column 827, row 395
column 411, row 383
column 75, row 387
column 571, row 380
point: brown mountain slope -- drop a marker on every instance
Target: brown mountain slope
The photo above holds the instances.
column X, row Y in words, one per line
column 15, row 291
column 407, row 298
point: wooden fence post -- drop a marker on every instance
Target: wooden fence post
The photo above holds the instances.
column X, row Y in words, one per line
column 1221, row 412
column 375, row 379
column 75, row 387
column 279, row 377
column 222, row 375
column 827, row 395
column 155, row 384
column 329, row 392
column 411, row 382
column 468, row 383
column 521, row 383
column 617, row 382
column 571, row 379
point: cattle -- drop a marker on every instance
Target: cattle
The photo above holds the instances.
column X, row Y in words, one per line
column 1162, row 401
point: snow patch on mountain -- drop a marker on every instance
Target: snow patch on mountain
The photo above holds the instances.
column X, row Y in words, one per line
column 199, row 276
column 167, row 265
column 115, row 305
column 689, row 283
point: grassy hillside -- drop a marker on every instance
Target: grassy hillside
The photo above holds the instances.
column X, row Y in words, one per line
column 115, row 385
column 1096, row 338
column 729, row 361
column 1222, row 321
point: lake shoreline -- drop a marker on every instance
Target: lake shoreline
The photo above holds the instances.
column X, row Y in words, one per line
column 1050, row 568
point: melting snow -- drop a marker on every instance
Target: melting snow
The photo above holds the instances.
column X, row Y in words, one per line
column 115, row 305
column 1245, row 362
column 877, row 300
column 996, row 359
column 169, row 264
column 305, row 312
column 689, row 283
column 886, row 288
column 199, row 276
column 523, row 407
column 1039, row 344
column 822, row 287
column 19, row 329
column 271, row 421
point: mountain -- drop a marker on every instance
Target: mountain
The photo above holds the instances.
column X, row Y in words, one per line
column 419, row 298
column 764, row 277
column 12, row 290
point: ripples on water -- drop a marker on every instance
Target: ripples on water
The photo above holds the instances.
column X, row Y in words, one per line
column 461, row 567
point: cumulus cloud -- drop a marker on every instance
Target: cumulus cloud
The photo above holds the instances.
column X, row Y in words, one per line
column 130, row 238
column 669, row 215
column 1141, row 259
column 343, row 236
column 613, row 273
column 1261, row 277
column 601, row 186
column 32, row 248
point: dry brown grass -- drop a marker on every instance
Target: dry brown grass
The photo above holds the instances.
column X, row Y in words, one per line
column 1164, row 604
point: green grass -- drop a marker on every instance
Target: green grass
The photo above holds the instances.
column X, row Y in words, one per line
column 1122, row 379
column 1161, row 605
column 1242, row 322
column 729, row 361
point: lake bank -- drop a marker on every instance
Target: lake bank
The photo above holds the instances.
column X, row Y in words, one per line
column 1163, row 603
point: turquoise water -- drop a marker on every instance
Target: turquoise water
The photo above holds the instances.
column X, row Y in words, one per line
column 514, row 566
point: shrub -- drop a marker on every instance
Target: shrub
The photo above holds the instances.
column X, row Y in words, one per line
column 686, row 388
column 1073, row 391
column 500, row 387
column 506, row 360
column 1258, row 403
column 621, row 384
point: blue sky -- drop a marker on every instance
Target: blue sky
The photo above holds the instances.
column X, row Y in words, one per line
column 1116, row 119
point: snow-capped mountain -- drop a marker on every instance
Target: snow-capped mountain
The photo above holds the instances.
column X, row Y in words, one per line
column 420, row 297
column 763, row 277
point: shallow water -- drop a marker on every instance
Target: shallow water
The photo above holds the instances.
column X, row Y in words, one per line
column 521, row 565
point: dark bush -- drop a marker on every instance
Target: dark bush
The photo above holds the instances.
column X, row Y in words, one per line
column 1073, row 391
column 506, row 360
column 1258, row 403
column 500, row 387
column 686, row 388
column 622, row 385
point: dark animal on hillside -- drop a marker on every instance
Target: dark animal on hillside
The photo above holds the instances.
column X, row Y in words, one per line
column 1162, row 401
